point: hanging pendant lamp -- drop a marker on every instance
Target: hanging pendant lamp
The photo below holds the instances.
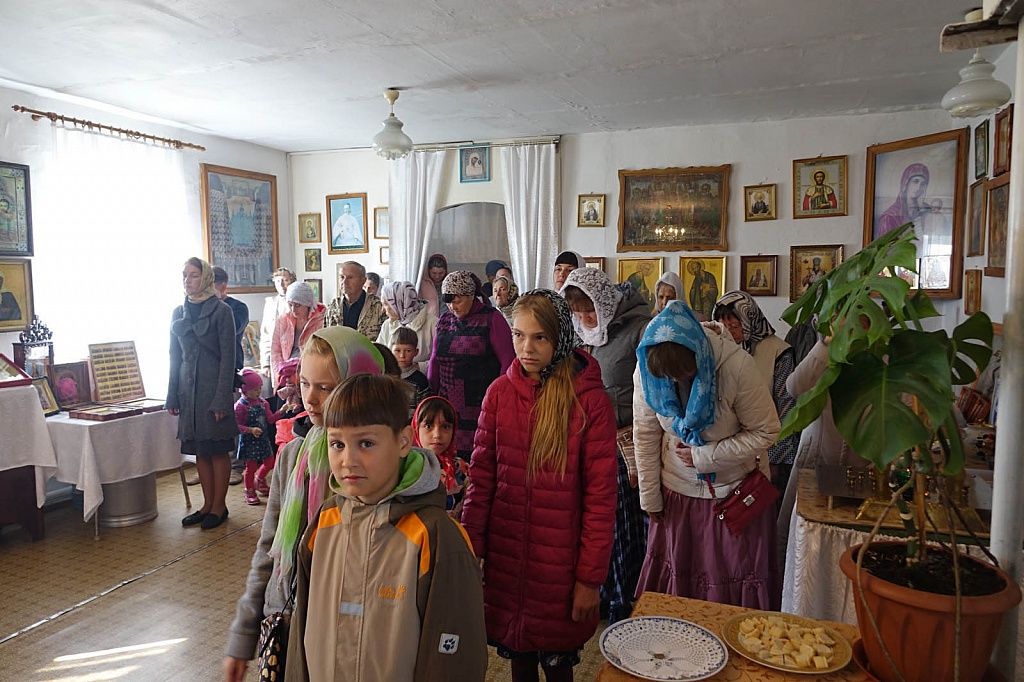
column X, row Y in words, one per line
column 391, row 143
column 977, row 93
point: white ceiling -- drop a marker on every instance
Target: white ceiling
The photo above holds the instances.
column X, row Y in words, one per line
column 308, row 74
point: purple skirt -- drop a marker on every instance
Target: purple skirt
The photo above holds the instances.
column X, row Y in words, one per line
column 690, row 553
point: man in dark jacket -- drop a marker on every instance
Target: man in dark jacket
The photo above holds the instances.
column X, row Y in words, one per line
column 240, row 312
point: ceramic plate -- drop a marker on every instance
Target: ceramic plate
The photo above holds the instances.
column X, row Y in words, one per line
column 658, row 648
column 843, row 652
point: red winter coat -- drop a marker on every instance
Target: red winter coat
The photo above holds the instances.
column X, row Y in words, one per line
column 539, row 538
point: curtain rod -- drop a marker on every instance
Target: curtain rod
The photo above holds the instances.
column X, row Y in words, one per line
column 133, row 135
column 525, row 142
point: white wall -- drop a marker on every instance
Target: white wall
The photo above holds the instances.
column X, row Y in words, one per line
column 28, row 142
column 759, row 153
column 314, row 176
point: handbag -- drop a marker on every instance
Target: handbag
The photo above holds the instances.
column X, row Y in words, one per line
column 272, row 647
column 754, row 494
column 273, row 643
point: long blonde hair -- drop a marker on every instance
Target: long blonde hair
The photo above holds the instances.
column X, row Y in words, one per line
column 557, row 400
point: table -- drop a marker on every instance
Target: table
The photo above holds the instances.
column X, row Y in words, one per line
column 712, row 616
column 90, row 454
column 26, row 440
column 24, row 447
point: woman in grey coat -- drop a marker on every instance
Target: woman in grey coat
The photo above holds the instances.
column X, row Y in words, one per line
column 610, row 320
column 200, row 388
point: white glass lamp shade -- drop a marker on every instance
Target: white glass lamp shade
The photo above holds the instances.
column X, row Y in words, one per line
column 977, row 93
column 391, row 143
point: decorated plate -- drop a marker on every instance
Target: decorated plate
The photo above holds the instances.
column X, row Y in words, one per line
column 658, row 648
column 842, row 652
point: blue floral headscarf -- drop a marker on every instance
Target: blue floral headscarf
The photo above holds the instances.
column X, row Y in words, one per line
column 677, row 324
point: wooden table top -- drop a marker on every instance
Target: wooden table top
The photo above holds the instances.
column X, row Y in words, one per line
column 813, row 506
column 712, row 616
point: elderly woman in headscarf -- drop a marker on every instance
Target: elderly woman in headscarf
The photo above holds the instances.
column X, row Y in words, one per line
column 702, row 421
column 299, row 486
column 506, row 293
column 305, row 315
column 610, row 320
column 430, row 285
column 742, row 318
column 200, row 389
column 405, row 308
column 668, row 288
column 472, row 348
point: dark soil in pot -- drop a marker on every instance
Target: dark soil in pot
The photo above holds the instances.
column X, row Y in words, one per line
column 933, row 574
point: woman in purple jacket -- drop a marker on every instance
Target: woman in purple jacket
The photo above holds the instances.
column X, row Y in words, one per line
column 472, row 348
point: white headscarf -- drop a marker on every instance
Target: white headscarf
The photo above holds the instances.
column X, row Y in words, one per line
column 404, row 299
column 605, row 296
column 671, row 279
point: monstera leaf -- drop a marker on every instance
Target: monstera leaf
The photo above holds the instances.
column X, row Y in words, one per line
column 972, row 341
column 890, row 382
column 870, row 396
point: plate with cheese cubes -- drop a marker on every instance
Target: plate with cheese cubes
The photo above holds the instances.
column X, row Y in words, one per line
column 786, row 642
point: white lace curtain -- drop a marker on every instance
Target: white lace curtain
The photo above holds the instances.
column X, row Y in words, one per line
column 414, row 191
column 111, row 235
column 531, row 211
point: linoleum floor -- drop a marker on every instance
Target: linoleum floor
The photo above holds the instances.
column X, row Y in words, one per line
column 151, row 602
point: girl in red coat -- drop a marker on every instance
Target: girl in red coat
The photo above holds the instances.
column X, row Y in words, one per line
column 540, row 510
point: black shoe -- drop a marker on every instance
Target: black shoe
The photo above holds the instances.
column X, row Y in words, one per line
column 194, row 518
column 212, row 520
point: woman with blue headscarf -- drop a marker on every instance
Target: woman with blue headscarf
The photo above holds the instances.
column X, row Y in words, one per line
column 702, row 420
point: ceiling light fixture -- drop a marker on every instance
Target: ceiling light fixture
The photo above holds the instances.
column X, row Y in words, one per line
column 977, row 93
column 391, row 143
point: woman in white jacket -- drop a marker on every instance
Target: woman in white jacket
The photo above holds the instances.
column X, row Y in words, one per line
column 405, row 308
column 701, row 414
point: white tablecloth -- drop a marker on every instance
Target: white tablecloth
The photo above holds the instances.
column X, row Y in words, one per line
column 25, row 441
column 813, row 585
column 90, row 453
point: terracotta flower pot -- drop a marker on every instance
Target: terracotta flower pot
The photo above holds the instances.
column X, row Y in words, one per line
column 918, row 628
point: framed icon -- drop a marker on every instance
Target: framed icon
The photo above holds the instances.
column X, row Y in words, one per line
column 808, row 264
column 674, row 209
column 759, row 202
column 381, row 223
column 922, row 180
column 346, row 214
column 475, row 164
column 309, row 228
column 703, row 280
column 590, row 210
column 819, row 187
column 240, row 226
column 758, row 275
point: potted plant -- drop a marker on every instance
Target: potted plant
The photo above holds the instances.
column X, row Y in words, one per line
column 891, row 387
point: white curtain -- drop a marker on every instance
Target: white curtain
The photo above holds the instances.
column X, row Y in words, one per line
column 111, row 234
column 414, row 191
column 531, row 212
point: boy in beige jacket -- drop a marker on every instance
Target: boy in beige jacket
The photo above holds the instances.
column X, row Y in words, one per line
column 388, row 585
